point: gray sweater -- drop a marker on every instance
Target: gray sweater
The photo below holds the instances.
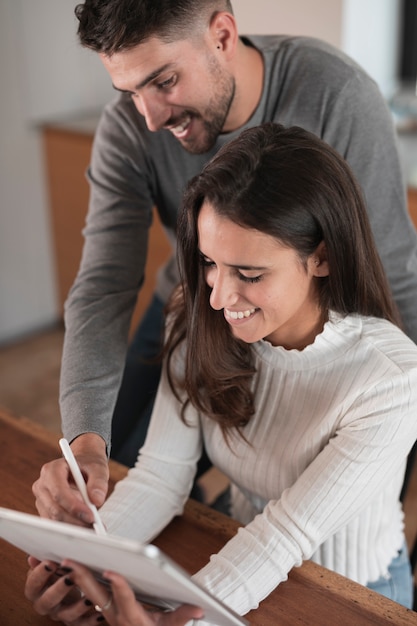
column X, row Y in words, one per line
column 307, row 83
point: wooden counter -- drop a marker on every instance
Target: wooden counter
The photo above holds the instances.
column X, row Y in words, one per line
column 312, row 596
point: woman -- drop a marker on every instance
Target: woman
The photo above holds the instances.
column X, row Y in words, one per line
column 284, row 354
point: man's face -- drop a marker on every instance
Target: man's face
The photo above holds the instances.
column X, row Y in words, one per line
column 181, row 86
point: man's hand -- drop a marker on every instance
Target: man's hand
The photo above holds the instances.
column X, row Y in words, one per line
column 55, row 492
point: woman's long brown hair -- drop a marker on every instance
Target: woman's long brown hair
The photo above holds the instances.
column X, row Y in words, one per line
column 291, row 185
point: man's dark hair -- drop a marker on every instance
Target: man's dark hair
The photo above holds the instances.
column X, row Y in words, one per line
column 109, row 26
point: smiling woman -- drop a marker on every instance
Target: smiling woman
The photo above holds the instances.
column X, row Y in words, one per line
column 263, row 287
column 281, row 249
column 283, row 354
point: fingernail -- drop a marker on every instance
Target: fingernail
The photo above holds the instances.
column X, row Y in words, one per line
column 101, row 618
column 87, row 518
column 68, row 581
column 48, row 569
column 100, row 494
column 61, row 571
column 88, row 602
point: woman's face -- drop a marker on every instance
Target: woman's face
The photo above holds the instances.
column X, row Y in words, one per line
column 262, row 286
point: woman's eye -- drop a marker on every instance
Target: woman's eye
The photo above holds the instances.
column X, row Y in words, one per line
column 206, row 262
column 250, row 279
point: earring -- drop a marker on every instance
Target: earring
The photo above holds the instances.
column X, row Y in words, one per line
column 317, row 262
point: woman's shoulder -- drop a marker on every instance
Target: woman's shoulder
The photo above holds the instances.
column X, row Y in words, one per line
column 387, row 340
column 357, row 338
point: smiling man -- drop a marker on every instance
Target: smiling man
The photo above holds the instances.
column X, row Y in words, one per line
column 189, row 83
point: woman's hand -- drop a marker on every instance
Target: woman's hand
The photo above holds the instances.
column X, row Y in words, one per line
column 119, row 605
column 70, row 593
column 52, row 591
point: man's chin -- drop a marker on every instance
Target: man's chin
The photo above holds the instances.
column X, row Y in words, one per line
column 197, row 147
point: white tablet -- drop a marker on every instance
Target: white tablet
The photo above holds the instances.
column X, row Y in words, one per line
column 155, row 578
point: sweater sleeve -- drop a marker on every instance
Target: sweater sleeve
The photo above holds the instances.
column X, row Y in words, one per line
column 101, row 301
column 156, row 489
column 352, row 470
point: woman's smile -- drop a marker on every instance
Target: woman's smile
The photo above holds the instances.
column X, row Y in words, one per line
column 238, row 315
column 263, row 287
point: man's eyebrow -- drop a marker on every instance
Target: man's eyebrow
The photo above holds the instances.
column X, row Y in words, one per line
column 146, row 80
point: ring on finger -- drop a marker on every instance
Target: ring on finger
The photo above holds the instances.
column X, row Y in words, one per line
column 105, row 606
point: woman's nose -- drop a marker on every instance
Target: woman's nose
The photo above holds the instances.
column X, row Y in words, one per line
column 223, row 292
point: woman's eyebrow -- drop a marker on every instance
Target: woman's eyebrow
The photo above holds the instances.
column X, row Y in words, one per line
column 247, row 268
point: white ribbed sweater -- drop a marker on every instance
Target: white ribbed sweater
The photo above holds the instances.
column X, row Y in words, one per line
column 321, row 479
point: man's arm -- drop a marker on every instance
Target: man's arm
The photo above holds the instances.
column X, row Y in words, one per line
column 100, row 304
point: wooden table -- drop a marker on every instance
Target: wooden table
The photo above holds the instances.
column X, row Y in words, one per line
column 312, row 595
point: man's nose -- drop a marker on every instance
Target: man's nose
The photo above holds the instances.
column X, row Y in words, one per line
column 154, row 110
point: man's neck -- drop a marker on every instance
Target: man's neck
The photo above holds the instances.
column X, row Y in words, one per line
column 249, row 75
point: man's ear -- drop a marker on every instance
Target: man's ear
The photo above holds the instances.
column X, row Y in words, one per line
column 318, row 262
column 224, row 34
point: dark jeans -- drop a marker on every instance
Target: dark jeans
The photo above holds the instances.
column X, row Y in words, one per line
column 138, row 389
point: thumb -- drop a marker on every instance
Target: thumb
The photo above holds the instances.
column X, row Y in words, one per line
column 183, row 616
column 97, row 491
column 97, row 477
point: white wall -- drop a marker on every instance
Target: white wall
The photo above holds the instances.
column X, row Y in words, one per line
column 366, row 29
column 370, row 34
column 60, row 77
column 45, row 74
column 27, row 297
column 318, row 18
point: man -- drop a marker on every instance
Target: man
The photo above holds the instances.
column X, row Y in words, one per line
column 189, row 84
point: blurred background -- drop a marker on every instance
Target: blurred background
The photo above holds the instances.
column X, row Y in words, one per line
column 52, row 94
column 48, row 78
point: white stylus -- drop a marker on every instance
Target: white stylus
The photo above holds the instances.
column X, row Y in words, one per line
column 80, row 482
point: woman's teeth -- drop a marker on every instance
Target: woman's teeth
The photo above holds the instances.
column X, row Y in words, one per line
column 239, row 315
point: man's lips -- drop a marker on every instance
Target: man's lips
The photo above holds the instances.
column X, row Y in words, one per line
column 180, row 128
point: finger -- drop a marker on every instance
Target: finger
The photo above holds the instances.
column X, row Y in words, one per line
column 182, row 615
column 130, row 611
column 52, row 591
column 96, row 473
column 33, row 561
column 56, row 497
column 90, row 451
column 38, row 577
column 99, row 594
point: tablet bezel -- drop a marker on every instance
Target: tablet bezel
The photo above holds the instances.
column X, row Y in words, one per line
column 155, row 577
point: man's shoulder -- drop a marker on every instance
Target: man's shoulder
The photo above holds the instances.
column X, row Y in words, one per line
column 302, row 51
